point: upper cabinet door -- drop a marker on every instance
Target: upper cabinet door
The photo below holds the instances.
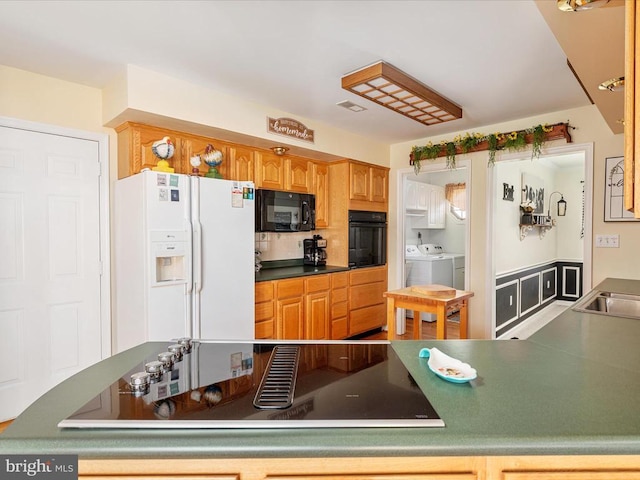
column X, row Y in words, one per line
column 269, row 171
column 631, row 110
column 359, row 182
column 298, row 175
column 242, row 163
column 379, row 184
column 321, row 191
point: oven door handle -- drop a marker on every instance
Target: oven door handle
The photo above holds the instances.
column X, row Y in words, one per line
column 367, row 224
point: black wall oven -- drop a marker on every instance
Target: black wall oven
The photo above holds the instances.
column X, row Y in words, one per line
column 367, row 238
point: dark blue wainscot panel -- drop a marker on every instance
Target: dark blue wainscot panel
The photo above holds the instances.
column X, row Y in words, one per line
column 525, row 292
column 507, row 303
column 570, row 281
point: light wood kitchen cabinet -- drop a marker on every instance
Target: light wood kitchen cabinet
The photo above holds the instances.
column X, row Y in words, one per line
column 368, row 187
column 302, row 308
column 134, row 147
column 265, row 311
column 135, row 154
column 290, row 309
column 321, row 191
column 339, row 305
column 632, row 109
column 367, row 307
column 359, row 182
column 241, row 163
column 326, row 468
column 298, row 175
column 191, row 145
column 380, row 185
column 269, row 172
column 289, row 174
column 317, row 308
column 517, row 467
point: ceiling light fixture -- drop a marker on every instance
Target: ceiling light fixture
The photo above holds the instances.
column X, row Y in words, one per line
column 279, row 150
column 578, row 5
column 613, row 85
column 394, row 89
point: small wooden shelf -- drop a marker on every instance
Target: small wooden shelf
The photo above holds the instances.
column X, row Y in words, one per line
column 558, row 131
column 525, row 228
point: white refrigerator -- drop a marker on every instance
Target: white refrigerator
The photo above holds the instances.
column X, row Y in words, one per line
column 184, row 259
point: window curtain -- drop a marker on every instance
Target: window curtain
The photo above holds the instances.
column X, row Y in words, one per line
column 456, row 195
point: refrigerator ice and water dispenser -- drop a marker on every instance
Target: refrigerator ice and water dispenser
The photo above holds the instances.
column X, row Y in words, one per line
column 169, row 262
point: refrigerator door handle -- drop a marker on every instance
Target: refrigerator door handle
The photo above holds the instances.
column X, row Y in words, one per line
column 197, row 257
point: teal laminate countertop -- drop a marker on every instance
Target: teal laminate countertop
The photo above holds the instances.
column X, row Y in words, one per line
column 570, row 389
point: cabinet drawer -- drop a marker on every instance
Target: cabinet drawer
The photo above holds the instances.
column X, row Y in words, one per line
column 366, row 295
column 317, row 283
column 367, row 275
column 265, row 329
column 339, row 280
column 264, row 291
column 339, row 328
column 339, row 310
column 264, row 311
column 339, row 295
column 290, row 288
column 367, row 318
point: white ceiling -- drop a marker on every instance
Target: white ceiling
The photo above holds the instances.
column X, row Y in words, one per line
column 498, row 60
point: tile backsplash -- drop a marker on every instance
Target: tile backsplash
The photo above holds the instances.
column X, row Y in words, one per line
column 280, row 246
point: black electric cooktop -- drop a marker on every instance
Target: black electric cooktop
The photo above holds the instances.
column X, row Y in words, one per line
column 198, row 384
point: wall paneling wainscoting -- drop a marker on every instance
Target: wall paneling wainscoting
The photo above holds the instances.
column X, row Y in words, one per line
column 522, row 293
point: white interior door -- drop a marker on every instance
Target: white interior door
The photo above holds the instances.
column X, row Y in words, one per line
column 50, row 285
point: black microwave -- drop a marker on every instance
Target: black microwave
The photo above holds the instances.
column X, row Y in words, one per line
column 284, row 211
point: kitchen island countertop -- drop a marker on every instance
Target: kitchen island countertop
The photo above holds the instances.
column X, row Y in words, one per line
column 570, row 389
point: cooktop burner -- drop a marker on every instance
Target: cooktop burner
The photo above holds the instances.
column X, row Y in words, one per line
column 198, row 384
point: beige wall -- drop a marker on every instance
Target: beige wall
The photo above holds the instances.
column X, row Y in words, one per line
column 590, row 127
column 167, row 101
column 37, row 98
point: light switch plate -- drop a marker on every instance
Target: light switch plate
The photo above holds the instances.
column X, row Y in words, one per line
column 608, row 241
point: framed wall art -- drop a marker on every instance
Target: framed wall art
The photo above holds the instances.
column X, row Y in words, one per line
column 614, row 210
column 533, row 192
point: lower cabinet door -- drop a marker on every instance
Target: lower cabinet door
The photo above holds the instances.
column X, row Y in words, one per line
column 317, row 316
column 289, row 320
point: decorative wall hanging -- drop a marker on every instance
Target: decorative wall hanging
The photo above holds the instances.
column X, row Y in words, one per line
column 290, row 128
column 614, row 210
column 476, row 142
column 533, row 192
column 507, row 192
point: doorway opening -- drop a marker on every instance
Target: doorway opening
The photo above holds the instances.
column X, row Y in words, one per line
column 433, row 233
column 540, row 261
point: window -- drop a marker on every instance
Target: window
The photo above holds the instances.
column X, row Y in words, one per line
column 456, row 195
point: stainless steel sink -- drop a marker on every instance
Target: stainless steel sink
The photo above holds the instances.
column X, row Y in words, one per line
column 610, row 303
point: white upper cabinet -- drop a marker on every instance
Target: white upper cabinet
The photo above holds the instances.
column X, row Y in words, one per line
column 425, row 205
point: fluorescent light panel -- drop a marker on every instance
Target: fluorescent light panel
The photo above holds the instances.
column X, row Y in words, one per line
column 387, row 86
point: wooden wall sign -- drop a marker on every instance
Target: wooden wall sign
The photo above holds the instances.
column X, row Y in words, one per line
column 290, row 128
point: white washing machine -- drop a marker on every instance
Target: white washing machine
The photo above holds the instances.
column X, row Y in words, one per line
column 424, row 268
